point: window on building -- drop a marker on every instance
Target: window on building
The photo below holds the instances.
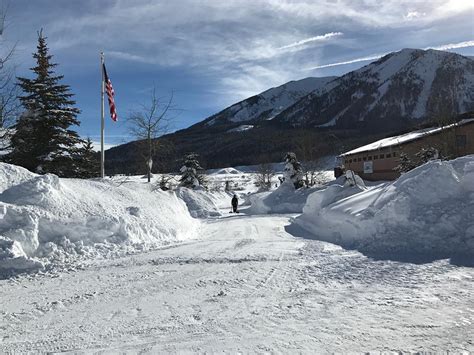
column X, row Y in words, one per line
column 364, row 158
column 376, row 157
column 461, row 140
column 359, row 159
column 370, row 157
column 382, row 156
column 388, row 155
column 394, row 154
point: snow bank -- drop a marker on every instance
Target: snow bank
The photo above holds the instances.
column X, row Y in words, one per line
column 199, row 202
column 428, row 211
column 45, row 220
column 285, row 199
column 226, row 171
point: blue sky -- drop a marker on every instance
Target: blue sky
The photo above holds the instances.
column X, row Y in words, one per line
column 214, row 53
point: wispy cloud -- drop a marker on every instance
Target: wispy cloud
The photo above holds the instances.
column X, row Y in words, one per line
column 129, row 57
column 447, row 47
column 443, row 47
column 351, row 61
column 323, row 37
column 234, row 48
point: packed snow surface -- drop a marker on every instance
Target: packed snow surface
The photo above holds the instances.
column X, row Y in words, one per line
column 428, row 211
column 236, row 283
column 248, row 286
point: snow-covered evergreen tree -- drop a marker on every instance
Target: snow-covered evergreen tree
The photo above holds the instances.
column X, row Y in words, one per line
column 423, row 156
column 293, row 170
column 190, row 176
column 43, row 141
column 426, row 154
column 405, row 164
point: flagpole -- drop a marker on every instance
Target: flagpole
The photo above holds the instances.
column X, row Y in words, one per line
column 102, row 120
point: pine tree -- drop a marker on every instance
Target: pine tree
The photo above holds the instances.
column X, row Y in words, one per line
column 43, row 141
column 293, row 170
column 426, row 154
column 405, row 164
column 190, row 176
column 87, row 163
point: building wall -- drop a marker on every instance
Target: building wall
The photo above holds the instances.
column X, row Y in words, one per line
column 454, row 142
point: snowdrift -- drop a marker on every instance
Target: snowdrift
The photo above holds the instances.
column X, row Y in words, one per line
column 226, row 171
column 45, row 220
column 285, row 199
column 199, row 202
column 427, row 212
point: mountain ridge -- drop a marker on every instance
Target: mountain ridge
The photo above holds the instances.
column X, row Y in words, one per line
column 400, row 86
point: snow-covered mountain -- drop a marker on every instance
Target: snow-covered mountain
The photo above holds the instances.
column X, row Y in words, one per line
column 269, row 103
column 395, row 93
column 403, row 86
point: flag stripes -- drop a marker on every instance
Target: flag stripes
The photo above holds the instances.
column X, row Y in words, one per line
column 110, row 95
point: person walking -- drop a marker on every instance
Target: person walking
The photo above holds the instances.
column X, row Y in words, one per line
column 235, row 204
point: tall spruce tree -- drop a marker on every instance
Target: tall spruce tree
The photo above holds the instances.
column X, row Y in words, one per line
column 43, row 141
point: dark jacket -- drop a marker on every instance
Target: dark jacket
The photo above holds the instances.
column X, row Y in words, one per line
column 235, row 201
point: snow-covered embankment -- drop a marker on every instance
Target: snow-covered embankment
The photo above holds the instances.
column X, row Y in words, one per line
column 45, row 220
column 428, row 211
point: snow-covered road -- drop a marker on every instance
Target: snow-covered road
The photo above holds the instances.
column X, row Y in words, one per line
column 247, row 286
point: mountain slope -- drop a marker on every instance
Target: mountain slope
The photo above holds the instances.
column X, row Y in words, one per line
column 267, row 104
column 401, row 87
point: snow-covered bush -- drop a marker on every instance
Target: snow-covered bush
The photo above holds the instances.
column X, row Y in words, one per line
column 293, row 170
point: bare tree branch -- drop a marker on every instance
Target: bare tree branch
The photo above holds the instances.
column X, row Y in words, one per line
column 9, row 91
column 153, row 120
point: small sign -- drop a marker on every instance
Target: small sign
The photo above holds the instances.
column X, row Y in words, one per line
column 368, row 167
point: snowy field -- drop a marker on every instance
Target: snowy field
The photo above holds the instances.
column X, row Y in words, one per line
column 118, row 266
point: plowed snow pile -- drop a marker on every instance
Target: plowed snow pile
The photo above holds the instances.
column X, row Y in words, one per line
column 428, row 211
column 285, row 199
column 45, row 220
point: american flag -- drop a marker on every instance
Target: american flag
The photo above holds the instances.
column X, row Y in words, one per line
column 110, row 95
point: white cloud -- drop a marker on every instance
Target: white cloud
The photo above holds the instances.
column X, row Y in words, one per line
column 129, row 57
column 323, row 37
column 243, row 47
column 414, row 15
column 449, row 46
column 444, row 47
column 351, row 61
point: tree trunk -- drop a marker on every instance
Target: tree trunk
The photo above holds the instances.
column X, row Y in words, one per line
column 149, row 162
